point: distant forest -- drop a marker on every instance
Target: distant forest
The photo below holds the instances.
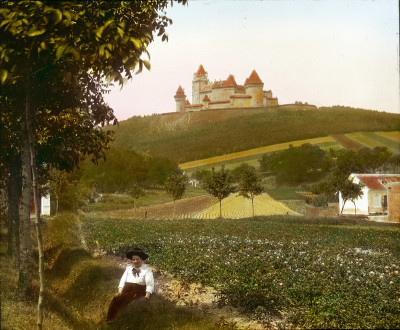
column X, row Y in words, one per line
column 200, row 138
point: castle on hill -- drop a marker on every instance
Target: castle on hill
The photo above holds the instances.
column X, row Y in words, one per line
column 224, row 93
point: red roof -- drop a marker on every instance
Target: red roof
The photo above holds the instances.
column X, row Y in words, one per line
column 215, row 102
column 238, row 96
column 200, row 71
column 253, row 79
column 272, row 98
column 180, row 91
column 206, row 98
column 187, row 102
column 230, row 82
column 378, row 182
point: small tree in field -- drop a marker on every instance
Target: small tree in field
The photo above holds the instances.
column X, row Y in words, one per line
column 219, row 184
column 250, row 184
column 350, row 192
column 136, row 192
column 176, row 185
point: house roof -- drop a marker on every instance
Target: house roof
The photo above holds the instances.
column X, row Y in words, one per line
column 378, row 181
column 200, row 71
column 206, row 98
column 253, row 79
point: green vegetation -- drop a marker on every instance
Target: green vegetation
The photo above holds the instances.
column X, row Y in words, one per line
column 79, row 289
column 199, row 139
column 309, row 272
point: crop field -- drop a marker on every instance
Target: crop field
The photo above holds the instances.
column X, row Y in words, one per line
column 304, row 272
column 395, row 136
column 353, row 141
column 252, row 152
column 372, row 140
column 238, row 207
column 203, row 207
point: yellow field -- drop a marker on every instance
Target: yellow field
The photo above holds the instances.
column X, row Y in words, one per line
column 237, row 207
column 252, row 152
column 395, row 136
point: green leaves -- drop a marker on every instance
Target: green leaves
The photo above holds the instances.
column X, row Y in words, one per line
column 3, row 75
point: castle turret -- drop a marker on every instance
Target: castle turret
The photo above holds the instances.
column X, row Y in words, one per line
column 254, row 87
column 180, row 99
column 200, row 80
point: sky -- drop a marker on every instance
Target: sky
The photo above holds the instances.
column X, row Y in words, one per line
column 326, row 52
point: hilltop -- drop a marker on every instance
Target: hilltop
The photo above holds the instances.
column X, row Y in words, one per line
column 184, row 137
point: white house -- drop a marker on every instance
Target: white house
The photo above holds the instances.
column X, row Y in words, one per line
column 374, row 199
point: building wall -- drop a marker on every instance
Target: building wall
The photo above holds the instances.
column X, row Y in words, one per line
column 375, row 201
column 394, row 203
column 197, row 85
column 219, row 105
column 257, row 94
column 180, row 104
column 221, row 94
column 241, row 102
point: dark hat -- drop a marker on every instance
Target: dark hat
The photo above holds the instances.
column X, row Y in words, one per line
column 137, row 252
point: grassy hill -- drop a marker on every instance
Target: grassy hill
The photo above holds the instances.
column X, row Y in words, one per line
column 185, row 137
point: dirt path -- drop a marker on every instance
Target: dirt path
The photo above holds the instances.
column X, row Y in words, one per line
column 196, row 297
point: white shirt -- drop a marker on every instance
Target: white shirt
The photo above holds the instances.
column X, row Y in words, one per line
column 145, row 277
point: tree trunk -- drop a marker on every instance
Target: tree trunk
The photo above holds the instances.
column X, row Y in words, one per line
column 344, row 202
column 25, row 277
column 36, row 198
column 14, row 187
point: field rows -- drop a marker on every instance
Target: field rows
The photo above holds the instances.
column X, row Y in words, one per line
column 238, row 207
column 204, row 207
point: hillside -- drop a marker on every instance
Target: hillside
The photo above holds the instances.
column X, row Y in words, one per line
column 184, row 137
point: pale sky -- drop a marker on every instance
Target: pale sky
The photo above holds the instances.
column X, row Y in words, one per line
column 327, row 52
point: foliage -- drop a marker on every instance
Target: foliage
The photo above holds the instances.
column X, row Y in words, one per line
column 249, row 183
column 123, row 169
column 296, row 165
column 311, row 272
column 176, row 185
column 218, row 184
column 238, row 131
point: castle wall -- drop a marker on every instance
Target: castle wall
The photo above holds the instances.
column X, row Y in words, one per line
column 257, row 94
column 221, row 94
column 241, row 102
column 197, row 85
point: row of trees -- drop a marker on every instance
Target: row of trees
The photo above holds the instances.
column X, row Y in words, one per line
column 57, row 59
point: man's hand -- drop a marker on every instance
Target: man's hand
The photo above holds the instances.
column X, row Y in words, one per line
column 148, row 295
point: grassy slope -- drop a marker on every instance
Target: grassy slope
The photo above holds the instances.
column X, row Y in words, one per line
column 192, row 136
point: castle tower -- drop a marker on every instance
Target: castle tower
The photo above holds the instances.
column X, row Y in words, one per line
column 200, row 79
column 180, row 99
column 254, row 87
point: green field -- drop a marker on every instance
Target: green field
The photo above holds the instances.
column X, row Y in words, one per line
column 307, row 272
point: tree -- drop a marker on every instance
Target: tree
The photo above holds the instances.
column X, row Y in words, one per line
column 218, row 184
column 350, row 192
column 176, row 185
column 70, row 47
column 306, row 163
column 250, row 184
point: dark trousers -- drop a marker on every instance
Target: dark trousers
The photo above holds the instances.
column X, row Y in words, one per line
column 129, row 293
